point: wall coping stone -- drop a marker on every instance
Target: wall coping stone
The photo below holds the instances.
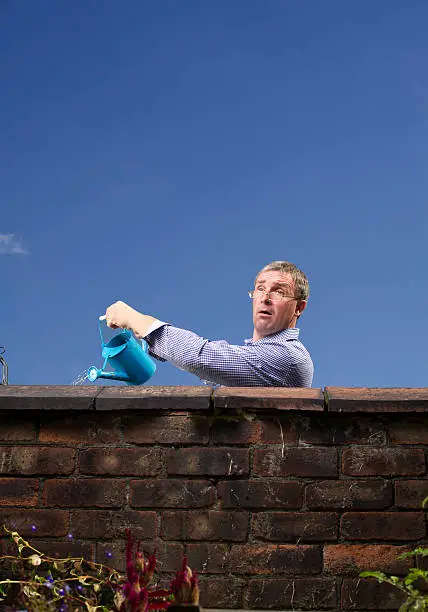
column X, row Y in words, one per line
column 204, row 398
column 363, row 399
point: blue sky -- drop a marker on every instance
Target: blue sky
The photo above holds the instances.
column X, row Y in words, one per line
column 163, row 152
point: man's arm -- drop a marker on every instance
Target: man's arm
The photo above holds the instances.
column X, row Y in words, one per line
column 256, row 365
column 259, row 364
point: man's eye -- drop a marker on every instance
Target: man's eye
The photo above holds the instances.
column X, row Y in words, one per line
column 280, row 293
column 259, row 289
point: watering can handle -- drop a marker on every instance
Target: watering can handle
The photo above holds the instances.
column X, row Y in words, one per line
column 103, row 318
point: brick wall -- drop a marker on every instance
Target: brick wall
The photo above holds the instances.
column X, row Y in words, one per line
column 279, row 497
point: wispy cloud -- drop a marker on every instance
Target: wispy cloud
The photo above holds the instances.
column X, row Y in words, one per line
column 11, row 245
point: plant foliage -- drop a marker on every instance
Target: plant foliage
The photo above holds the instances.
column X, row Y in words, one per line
column 36, row 582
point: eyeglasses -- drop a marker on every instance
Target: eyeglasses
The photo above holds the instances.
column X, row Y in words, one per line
column 277, row 295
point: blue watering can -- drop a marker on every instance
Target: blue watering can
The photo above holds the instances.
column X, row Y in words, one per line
column 128, row 358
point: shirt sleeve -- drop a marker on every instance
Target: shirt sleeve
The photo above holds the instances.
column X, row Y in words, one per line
column 222, row 363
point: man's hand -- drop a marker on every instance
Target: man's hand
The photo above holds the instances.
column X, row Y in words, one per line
column 121, row 315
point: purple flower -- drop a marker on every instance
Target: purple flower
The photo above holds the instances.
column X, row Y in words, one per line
column 109, row 554
column 70, row 536
column 33, row 528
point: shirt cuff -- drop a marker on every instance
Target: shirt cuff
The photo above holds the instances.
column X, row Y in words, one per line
column 154, row 326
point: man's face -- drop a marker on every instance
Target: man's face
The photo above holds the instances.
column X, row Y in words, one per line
column 270, row 315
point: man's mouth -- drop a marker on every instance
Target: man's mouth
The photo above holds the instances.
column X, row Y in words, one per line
column 265, row 313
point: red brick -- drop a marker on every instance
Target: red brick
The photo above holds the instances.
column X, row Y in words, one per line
column 341, row 430
column 31, row 460
column 208, row 558
column 46, row 522
column 221, row 593
column 208, row 461
column 166, row 429
column 268, row 559
column 383, row 526
column 383, row 462
column 18, row 491
column 109, row 525
column 280, row 430
column 121, row 461
column 172, row 493
column 293, row 594
column 229, row 431
column 206, row 526
column 62, row 550
column 295, row 526
column 409, row 430
column 338, row 494
column 368, row 594
column 85, row 492
column 260, row 494
column 305, row 462
column 168, row 555
column 410, row 493
column 82, row 428
column 22, row 429
column 355, row 558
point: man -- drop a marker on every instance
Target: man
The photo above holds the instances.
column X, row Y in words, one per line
column 273, row 357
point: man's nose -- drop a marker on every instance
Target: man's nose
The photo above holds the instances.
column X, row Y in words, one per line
column 266, row 296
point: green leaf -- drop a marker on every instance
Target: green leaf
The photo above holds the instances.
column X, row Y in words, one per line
column 380, row 576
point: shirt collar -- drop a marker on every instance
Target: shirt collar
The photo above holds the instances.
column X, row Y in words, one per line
column 292, row 333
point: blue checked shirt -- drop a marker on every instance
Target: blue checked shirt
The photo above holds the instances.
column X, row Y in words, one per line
column 278, row 360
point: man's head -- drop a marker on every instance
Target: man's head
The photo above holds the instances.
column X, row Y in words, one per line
column 280, row 296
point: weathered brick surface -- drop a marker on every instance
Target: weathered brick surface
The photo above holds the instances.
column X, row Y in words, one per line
column 355, row 558
column 410, row 493
column 260, row 494
column 209, row 558
column 34, row 522
column 62, row 550
column 295, row 526
column 268, row 559
column 221, row 593
column 166, row 429
column 80, row 428
column 211, row 525
column 383, row 462
column 32, row 460
column 278, row 500
column 342, row 494
column 282, row 429
column 412, row 430
column 18, row 491
column 172, row 493
column 230, row 431
column 84, row 492
column 208, row 461
column 122, row 461
column 108, row 525
column 383, row 526
column 17, row 429
column 305, row 462
column 341, row 430
column 292, row 594
column 367, row 594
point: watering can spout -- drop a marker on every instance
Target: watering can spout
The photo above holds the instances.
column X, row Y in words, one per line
column 94, row 373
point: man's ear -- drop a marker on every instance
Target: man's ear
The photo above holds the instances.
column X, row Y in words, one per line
column 300, row 307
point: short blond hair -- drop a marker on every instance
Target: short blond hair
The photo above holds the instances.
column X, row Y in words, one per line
column 301, row 282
